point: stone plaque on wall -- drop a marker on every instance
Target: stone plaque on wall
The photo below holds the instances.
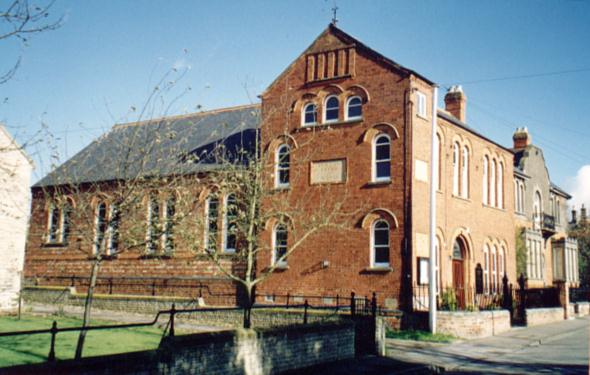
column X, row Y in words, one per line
column 328, row 171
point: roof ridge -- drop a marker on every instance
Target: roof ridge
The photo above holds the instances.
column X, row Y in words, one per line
column 186, row 115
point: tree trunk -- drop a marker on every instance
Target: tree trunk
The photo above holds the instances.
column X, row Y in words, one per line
column 87, row 307
column 248, row 306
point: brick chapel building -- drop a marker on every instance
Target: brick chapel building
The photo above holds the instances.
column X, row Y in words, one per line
column 343, row 125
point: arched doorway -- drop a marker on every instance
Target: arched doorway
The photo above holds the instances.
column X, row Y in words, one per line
column 459, row 255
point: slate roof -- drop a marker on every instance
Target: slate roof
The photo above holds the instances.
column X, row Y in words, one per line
column 559, row 190
column 158, row 147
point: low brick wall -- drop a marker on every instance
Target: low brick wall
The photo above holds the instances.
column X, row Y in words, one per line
column 535, row 317
column 582, row 308
column 151, row 305
column 470, row 325
column 260, row 351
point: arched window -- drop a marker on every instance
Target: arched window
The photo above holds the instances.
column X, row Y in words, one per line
column 280, row 237
column 537, row 209
column 153, row 224
column 113, row 229
column 437, row 156
column 332, row 109
column 486, row 167
column 53, row 220
column 492, row 183
column 465, row 173
column 211, row 225
column 310, row 114
column 168, row 235
column 456, row 168
column 522, row 197
column 501, row 264
column 100, row 227
column 58, row 223
column 500, row 185
column 282, row 162
column 354, row 108
column 380, row 244
column 382, row 158
column 486, row 269
column 437, row 263
column 494, row 265
column 230, row 227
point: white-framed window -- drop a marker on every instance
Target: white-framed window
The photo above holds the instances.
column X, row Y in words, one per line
column 282, row 165
column 537, row 210
column 230, row 226
column 168, row 231
column 494, row 265
column 58, row 223
column 485, row 182
column 492, row 183
column 423, row 275
column 456, row 169
column 113, row 229
column 465, row 173
column 382, row 158
column 437, row 157
column 380, row 244
column 420, row 104
column 486, row 268
column 279, row 244
column 331, row 109
column 501, row 264
column 500, row 185
column 100, row 227
column 153, row 225
column 310, row 115
column 354, row 108
column 211, row 224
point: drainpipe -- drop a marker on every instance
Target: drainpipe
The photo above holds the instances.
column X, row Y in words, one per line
column 431, row 270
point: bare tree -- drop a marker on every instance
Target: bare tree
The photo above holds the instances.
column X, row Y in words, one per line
column 21, row 19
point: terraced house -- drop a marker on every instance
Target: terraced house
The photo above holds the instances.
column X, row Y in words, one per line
column 343, row 126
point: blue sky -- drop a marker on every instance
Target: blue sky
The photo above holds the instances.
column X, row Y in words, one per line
column 108, row 55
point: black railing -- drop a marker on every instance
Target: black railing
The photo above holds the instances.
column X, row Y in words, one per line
column 356, row 306
column 362, row 305
column 451, row 298
column 548, row 222
column 579, row 295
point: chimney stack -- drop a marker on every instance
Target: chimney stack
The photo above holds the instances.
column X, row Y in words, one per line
column 521, row 138
column 574, row 216
column 456, row 102
column 583, row 214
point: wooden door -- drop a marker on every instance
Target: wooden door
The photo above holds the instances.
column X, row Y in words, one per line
column 458, row 282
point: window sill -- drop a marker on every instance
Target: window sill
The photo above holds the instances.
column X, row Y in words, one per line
column 279, row 189
column 327, row 125
column 497, row 208
column 213, row 254
column 278, row 268
column 467, row 200
column 423, row 117
column 156, row 256
column 378, row 269
column 372, row 184
column 54, row 244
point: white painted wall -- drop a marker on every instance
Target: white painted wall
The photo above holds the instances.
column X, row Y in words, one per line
column 15, row 174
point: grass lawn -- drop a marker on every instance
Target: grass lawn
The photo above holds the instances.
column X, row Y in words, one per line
column 419, row 336
column 16, row 350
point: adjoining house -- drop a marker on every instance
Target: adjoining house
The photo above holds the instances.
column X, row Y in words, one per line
column 341, row 119
column 541, row 214
column 15, row 174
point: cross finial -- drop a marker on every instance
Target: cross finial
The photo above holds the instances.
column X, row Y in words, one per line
column 334, row 19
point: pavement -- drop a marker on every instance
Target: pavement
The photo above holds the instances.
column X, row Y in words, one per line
column 557, row 348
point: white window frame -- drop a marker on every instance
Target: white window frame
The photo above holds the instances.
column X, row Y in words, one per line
column 275, row 261
column 500, row 185
column 486, row 269
column 346, row 116
column 303, row 113
column 227, row 250
column 325, row 111
column 207, row 223
column 494, row 270
column 278, row 168
column 167, row 224
column 492, row 184
column 53, row 226
column 486, row 172
column 373, row 263
column 97, row 247
column 456, row 162
column 465, row 172
column 151, row 245
column 374, row 160
column 111, row 232
column 421, row 104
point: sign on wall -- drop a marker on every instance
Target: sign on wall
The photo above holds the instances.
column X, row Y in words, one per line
column 328, row 171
